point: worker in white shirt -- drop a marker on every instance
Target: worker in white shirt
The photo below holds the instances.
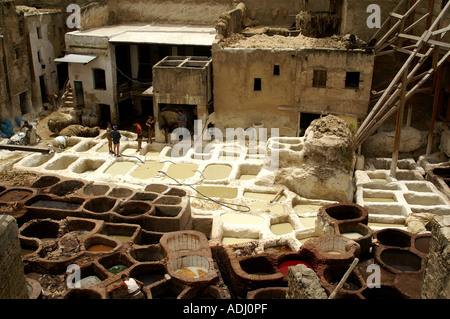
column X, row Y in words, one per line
column 133, row 286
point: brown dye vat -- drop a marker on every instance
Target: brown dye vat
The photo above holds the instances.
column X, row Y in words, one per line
column 81, row 224
column 422, row 243
column 347, row 212
column 331, row 277
column 393, row 237
column 45, row 181
column 145, row 197
column 168, row 200
column 268, row 293
column 156, row 188
column 176, row 192
column 100, row 204
column 133, row 208
column 150, row 253
column 149, row 274
column 67, row 187
column 443, row 172
column 121, row 192
column 147, row 237
column 359, row 232
column 41, row 229
column 16, row 195
column 46, row 206
column 400, row 260
column 167, row 211
column 260, row 266
column 95, row 190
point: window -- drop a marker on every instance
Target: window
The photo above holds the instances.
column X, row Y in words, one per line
column 257, row 84
column 99, row 79
column 17, row 53
column 276, row 70
column 39, row 56
column 21, row 27
column 320, row 78
column 352, row 80
column 38, row 31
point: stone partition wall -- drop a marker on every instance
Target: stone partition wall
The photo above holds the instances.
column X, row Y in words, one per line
column 436, row 283
column 12, row 277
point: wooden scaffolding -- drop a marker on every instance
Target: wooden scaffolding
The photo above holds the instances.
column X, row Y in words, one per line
column 426, row 55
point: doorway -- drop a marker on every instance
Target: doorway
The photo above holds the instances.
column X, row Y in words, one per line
column 78, row 86
column 43, row 89
column 305, row 121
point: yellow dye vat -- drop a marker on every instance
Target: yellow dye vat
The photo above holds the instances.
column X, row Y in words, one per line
column 281, row 228
column 216, row 171
column 182, row 170
column 148, row 170
column 218, row 191
column 120, row 168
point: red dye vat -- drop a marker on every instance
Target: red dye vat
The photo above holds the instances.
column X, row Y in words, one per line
column 283, row 267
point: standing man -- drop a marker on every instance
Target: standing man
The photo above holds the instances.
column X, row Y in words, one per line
column 151, row 128
column 115, row 135
column 139, row 134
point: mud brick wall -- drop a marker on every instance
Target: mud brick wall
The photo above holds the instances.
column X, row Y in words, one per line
column 436, row 282
column 12, row 277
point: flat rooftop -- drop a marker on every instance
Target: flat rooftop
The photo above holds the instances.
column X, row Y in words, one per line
column 173, row 34
column 258, row 37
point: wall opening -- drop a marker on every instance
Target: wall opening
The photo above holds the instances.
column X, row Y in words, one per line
column 320, row 78
column 43, row 89
column 305, row 121
column 99, row 79
column 352, row 80
column 257, row 84
column 276, row 69
column 23, row 102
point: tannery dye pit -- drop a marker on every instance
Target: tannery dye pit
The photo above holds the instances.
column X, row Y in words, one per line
column 287, row 158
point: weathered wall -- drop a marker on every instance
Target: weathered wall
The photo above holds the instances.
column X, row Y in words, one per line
column 237, row 104
column 49, row 47
column 84, row 73
column 12, row 277
column 436, row 281
column 16, row 62
column 282, row 13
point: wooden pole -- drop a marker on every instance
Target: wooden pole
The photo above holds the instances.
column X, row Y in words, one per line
column 398, row 127
column 344, row 279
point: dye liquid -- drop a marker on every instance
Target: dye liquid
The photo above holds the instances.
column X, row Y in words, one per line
column 120, row 168
column 148, row 170
column 284, row 267
column 182, row 170
column 100, row 248
column 117, row 268
column 216, row 171
column 192, row 272
column 281, row 228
